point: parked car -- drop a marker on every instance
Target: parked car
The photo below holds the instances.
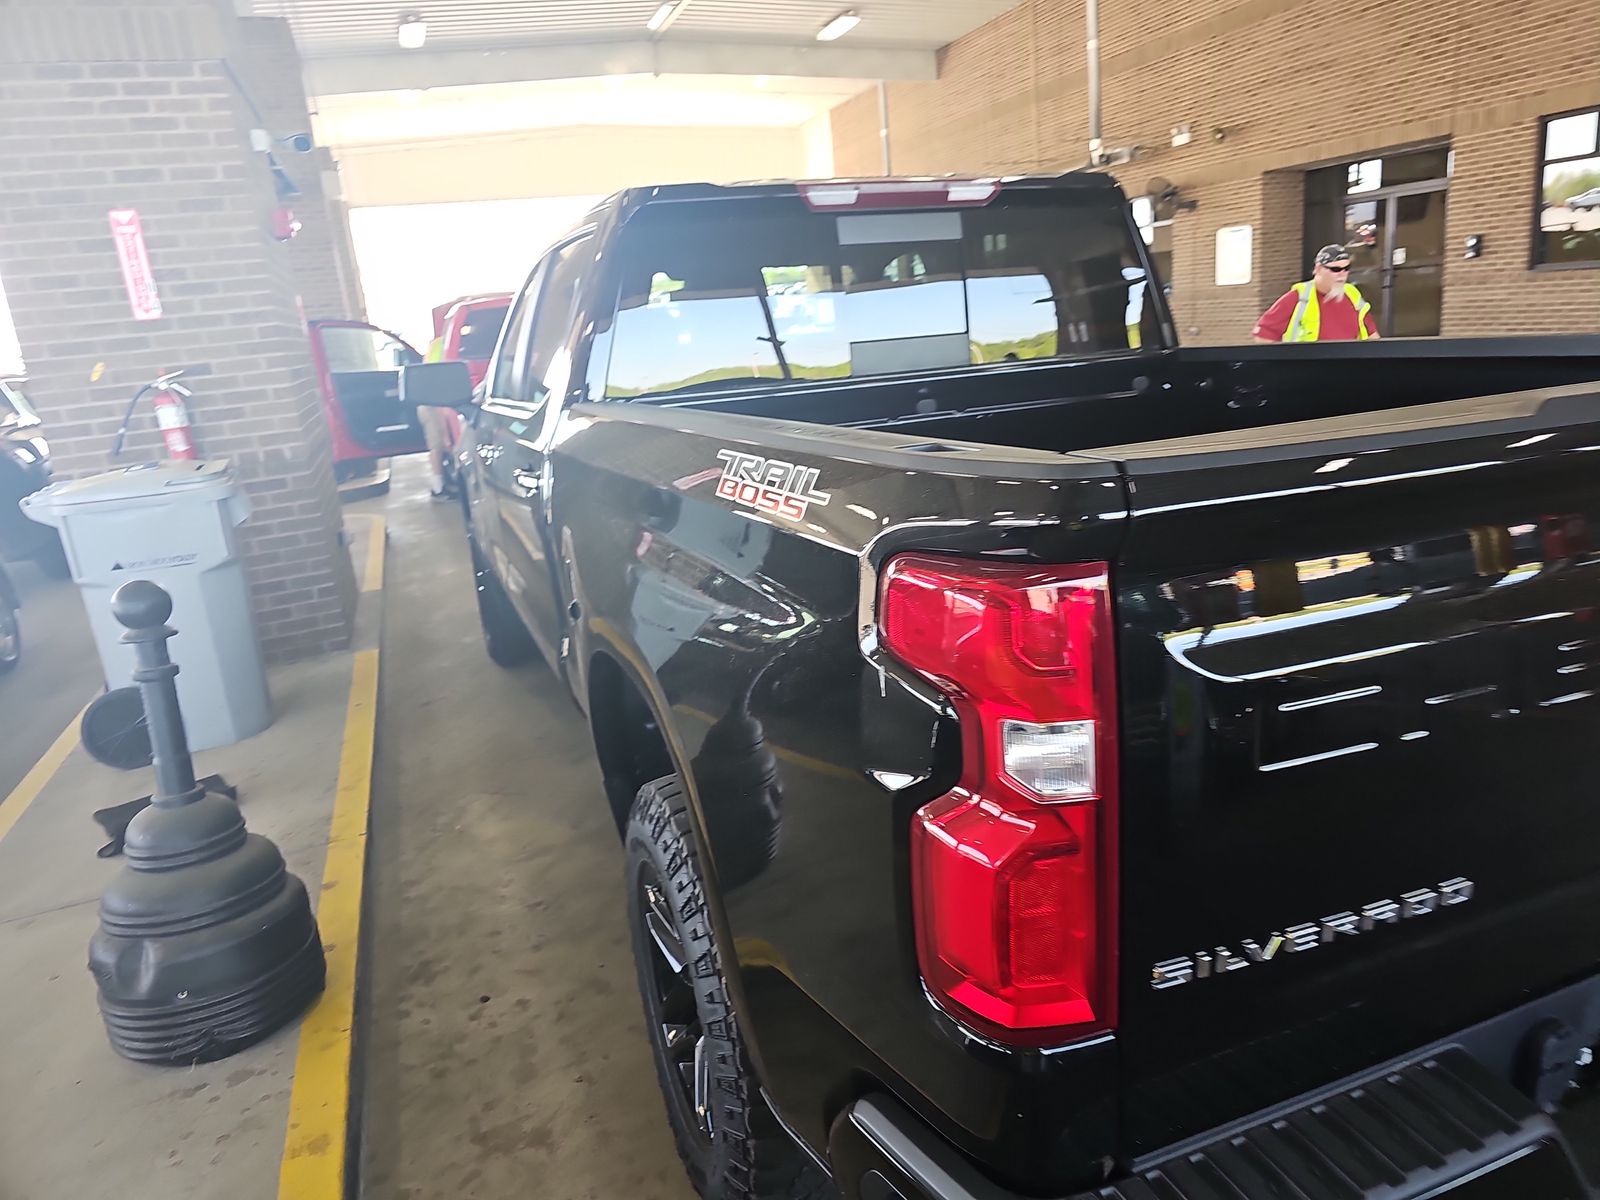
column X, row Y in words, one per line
column 1050, row 761
column 1584, row 200
column 24, row 469
column 358, row 366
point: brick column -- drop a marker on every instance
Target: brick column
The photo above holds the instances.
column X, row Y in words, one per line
column 132, row 106
column 1273, row 204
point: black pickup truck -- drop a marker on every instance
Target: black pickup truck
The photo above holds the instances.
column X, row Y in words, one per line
column 1052, row 762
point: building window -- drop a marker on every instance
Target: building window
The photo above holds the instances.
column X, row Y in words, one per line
column 1569, row 190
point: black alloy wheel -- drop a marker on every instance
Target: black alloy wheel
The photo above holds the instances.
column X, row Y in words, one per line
column 670, row 1008
column 729, row 1140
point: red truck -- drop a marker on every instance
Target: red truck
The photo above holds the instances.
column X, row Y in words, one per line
column 466, row 329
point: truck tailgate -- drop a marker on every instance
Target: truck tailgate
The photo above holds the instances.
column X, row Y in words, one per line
column 1360, row 682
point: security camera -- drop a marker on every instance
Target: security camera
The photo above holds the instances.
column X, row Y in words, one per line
column 300, row 143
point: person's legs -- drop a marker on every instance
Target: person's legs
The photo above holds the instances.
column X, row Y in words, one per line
column 433, row 429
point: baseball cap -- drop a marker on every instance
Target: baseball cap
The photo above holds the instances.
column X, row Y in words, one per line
column 1332, row 254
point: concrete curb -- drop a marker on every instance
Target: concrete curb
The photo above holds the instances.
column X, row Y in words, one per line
column 365, row 487
column 322, row 1140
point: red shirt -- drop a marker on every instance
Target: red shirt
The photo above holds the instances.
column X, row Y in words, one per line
column 1338, row 319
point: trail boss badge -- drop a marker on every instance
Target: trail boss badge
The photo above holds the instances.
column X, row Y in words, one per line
column 768, row 485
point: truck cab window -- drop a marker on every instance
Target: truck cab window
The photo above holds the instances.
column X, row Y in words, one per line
column 773, row 292
column 549, row 361
column 356, row 349
column 479, row 333
column 505, row 382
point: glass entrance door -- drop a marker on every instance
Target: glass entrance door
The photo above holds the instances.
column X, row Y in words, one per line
column 1389, row 213
column 1364, row 222
column 1414, row 291
column 1396, row 245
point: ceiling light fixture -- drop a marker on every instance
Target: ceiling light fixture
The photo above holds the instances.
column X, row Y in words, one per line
column 839, row 26
column 413, row 31
column 661, row 15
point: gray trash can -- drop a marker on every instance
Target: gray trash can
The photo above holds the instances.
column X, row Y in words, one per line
column 173, row 523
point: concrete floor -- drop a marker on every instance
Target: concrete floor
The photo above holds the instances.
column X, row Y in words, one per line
column 75, row 1119
column 59, row 672
column 505, row 1048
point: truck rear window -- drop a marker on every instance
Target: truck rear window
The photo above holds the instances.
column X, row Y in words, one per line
column 743, row 292
column 479, row 332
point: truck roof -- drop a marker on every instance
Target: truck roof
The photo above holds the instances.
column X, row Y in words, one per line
column 790, row 187
column 631, row 199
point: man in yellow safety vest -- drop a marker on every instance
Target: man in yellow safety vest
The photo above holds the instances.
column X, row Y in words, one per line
column 1325, row 308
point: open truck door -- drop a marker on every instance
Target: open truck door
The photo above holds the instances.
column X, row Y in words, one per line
column 359, row 368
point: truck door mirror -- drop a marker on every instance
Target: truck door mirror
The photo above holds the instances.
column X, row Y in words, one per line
column 437, row 385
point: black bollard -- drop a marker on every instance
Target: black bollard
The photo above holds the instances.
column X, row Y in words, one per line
column 206, row 942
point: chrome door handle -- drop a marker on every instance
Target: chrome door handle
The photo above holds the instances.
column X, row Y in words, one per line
column 527, row 481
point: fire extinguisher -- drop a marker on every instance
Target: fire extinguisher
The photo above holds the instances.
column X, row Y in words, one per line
column 172, row 417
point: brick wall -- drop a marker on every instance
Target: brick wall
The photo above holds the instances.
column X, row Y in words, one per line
column 107, row 107
column 1012, row 96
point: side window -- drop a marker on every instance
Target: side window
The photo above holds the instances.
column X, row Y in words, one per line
column 549, row 362
column 479, row 331
column 354, row 350
column 506, row 380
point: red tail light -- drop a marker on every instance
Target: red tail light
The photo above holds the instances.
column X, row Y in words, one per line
column 1013, row 871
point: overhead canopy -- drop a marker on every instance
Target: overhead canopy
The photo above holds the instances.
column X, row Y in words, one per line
column 352, row 45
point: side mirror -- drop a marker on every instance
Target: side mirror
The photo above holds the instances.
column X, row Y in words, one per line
column 437, row 385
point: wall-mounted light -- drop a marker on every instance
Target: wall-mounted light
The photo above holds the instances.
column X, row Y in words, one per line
column 413, row 31
column 839, row 26
column 661, row 16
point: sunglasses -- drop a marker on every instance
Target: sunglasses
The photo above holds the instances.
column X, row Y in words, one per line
column 1344, row 270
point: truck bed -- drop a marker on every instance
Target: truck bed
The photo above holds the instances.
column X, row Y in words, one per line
column 1186, row 393
column 1351, row 653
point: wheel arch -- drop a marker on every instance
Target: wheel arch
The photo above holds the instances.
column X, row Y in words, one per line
column 627, row 711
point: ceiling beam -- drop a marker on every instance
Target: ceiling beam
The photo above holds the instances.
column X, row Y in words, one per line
column 672, row 17
column 395, row 70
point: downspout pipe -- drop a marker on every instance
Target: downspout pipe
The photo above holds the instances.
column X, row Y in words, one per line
column 1097, row 150
column 883, row 126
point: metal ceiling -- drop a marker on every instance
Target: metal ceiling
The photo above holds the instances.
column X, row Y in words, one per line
column 337, row 27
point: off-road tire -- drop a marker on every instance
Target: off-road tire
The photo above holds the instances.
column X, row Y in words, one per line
column 746, row 1155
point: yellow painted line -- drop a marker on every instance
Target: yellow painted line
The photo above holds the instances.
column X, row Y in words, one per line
column 316, row 1145
column 27, row 791
column 377, row 544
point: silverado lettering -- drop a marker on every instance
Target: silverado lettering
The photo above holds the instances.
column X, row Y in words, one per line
column 1220, row 960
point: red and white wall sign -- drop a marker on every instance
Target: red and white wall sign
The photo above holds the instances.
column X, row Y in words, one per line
column 135, row 260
